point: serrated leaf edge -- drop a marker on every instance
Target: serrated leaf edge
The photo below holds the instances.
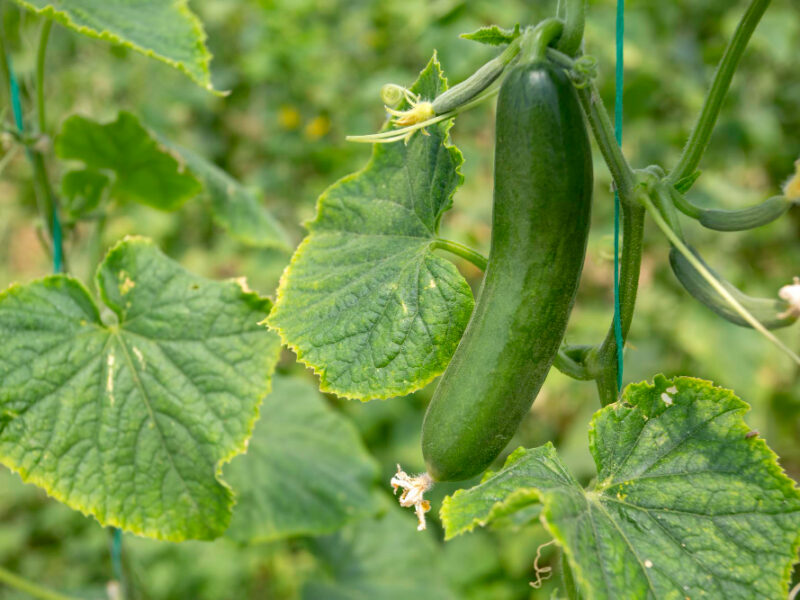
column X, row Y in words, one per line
column 201, row 78
column 660, row 381
column 321, row 371
column 237, row 449
column 521, row 494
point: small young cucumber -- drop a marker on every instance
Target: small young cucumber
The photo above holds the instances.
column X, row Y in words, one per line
column 740, row 219
column 772, row 313
column 745, row 218
column 540, row 224
column 481, row 79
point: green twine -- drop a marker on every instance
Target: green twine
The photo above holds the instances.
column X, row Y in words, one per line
column 620, row 34
column 16, row 103
column 16, row 108
column 116, row 553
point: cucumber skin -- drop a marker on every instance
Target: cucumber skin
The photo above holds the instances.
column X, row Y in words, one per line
column 540, row 225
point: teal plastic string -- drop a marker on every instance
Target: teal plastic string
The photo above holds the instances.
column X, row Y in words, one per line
column 16, row 103
column 16, row 108
column 116, row 553
column 620, row 63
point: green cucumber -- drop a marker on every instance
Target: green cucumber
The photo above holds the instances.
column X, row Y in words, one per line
column 481, row 79
column 745, row 218
column 739, row 219
column 540, row 224
column 770, row 312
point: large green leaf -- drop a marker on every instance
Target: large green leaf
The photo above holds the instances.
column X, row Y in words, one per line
column 365, row 302
column 306, row 471
column 234, row 207
column 688, row 502
column 130, row 421
column 144, row 170
column 164, row 29
column 382, row 558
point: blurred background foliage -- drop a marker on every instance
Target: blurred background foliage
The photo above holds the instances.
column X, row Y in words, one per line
column 304, row 73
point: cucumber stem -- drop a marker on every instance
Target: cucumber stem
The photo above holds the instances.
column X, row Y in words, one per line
column 701, row 133
column 603, row 363
column 465, row 252
column 663, row 201
column 535, row 42
column 682, row 203
column 603, row 132
column 572, row 38
column 30, row 588
column 570, row 367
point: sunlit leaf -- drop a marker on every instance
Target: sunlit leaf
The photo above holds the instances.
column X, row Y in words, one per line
column 127, row 412
column 365, row 302
column 689, row 503
column 164, row 29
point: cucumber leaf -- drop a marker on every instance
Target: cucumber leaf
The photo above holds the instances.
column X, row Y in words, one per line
column 235, row 208
column 82, row 191
column 306, row 471
column 149, row 169
column 144, row 170
column 164, row 29
column 384, row 558
column 364, row 301
column 130, row 421
column 493, row 35
column 688, row 502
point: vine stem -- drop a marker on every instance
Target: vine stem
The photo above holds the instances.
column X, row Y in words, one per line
column 603, row 131
column 29, row 587
column 465, row 252
column 601, row 362
column 572, row 37
column 605, row 364
column 701, row 133
column 676, row 241
column 46, row 200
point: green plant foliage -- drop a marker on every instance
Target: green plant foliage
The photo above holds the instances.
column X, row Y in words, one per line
column 129, row 421
column 688, row 503
column 164, row 29
column 82, row 191
column 145, row 171
column 365, row 302
column 235, row 208
column 493, row 35
column 306, row 471
column 382, row 558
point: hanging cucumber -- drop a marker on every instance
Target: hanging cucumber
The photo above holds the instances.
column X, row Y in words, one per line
column 540, row 223
column 773, row 313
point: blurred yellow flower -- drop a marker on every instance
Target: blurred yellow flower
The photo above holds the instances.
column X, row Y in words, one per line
column 289, row 117
column 317, row 127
